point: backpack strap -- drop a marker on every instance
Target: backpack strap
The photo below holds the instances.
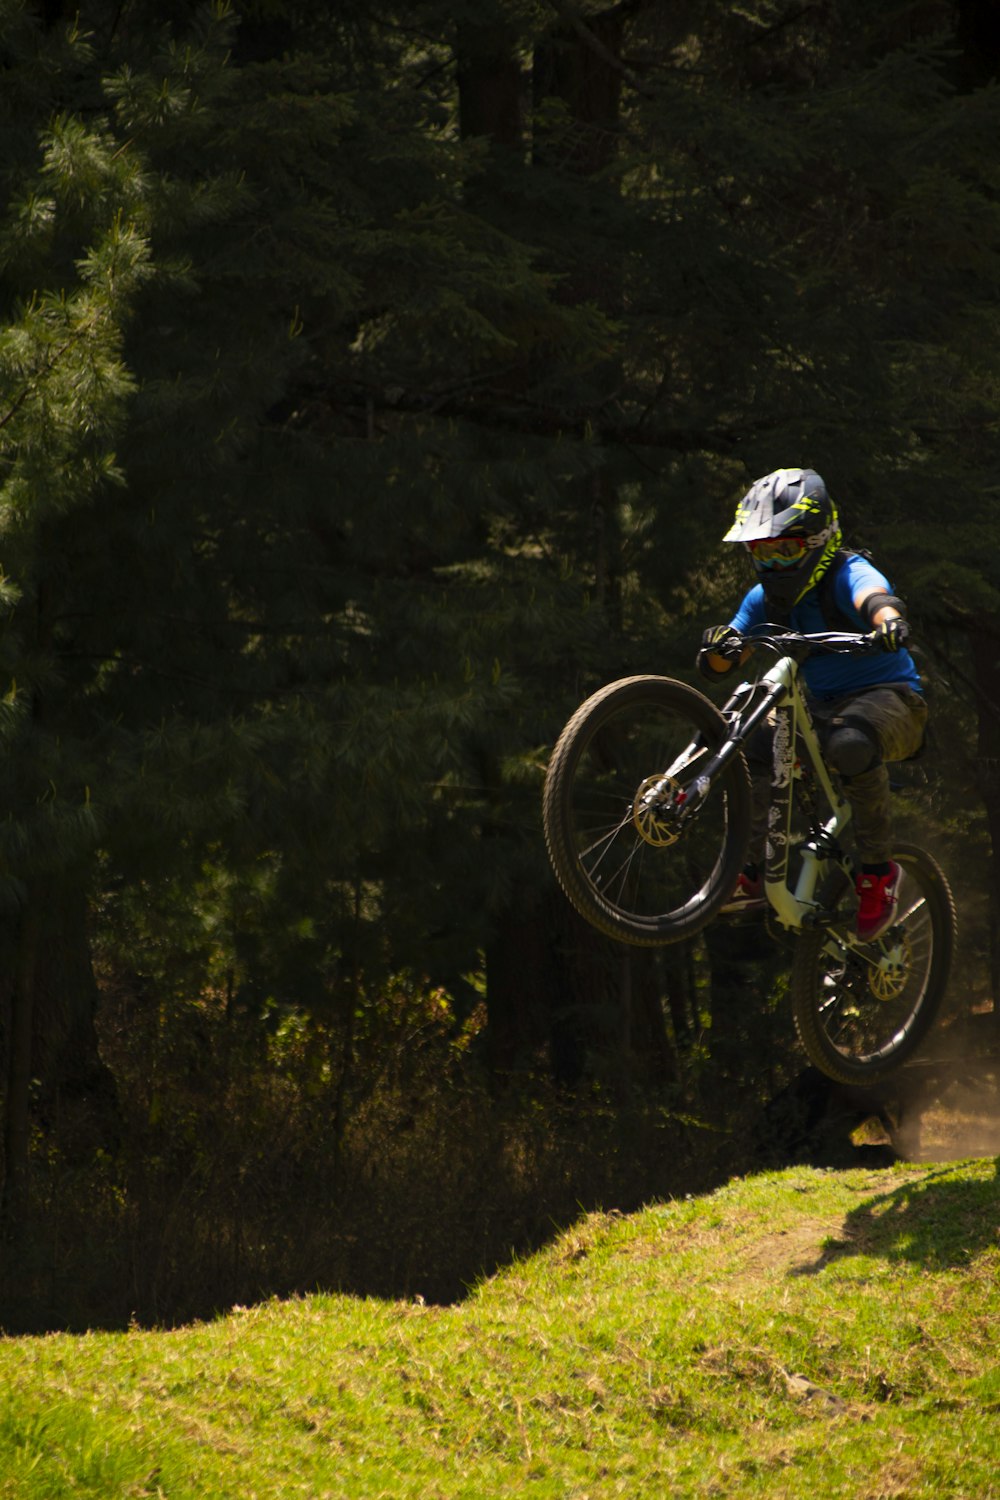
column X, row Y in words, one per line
column 833, row 616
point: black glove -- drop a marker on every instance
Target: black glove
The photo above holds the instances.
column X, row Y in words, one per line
column 893, row 634
column 722, row 640
column 718, row 640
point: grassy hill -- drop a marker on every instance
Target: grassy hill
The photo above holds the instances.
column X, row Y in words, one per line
column 802, row 1333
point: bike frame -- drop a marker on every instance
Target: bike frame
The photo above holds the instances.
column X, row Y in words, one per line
column 617, row 820
column 779, row 694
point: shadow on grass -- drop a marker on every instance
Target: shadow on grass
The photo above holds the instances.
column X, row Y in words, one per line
column 936, row 1223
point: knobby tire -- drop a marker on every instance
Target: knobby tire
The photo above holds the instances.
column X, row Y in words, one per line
column 623, row 737
column 858, row 1017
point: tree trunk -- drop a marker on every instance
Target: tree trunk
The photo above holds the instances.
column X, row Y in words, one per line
column 560, row 995
column 580, row 68
column 17, row 1126
column 577, row 68
column 985, row 646
column 489, row 85
column 554, row 985
column 56, row 1079
column 977, row 31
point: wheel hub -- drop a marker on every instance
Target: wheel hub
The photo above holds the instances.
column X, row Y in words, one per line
column 654, row 811
column 887, row 979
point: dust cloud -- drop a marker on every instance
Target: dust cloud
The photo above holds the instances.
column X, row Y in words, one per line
column 957, row 1120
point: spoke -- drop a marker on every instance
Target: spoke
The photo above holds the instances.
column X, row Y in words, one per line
column 870, row 1001
column 642, row 878
column 607, row 839
column 860, row 1024
column 616, row 885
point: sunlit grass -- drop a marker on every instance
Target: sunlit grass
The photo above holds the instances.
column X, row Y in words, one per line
column 803, row 1333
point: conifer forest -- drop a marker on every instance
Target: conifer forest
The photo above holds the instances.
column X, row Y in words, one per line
column 377, row 381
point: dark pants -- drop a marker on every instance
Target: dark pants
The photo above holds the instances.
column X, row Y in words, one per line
column 858, row 735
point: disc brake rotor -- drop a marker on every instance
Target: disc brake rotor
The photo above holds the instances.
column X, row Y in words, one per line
column 887, row 979
column 653, row 811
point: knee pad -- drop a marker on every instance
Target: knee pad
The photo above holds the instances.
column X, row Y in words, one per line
column 852, row 749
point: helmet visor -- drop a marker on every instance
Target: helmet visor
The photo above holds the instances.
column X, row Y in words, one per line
column 778, row 551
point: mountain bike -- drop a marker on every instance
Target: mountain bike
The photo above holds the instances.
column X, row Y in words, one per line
column 646, row 812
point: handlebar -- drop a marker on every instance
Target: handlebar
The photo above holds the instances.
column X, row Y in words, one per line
column 785, row 642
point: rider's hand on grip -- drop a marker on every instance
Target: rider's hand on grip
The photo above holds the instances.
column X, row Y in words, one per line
column 722, row 640
column 893, row 634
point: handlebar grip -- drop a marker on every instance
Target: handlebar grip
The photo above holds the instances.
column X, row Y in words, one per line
column 732, row 647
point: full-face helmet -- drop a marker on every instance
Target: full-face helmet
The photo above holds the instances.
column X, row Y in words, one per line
column 789, row 525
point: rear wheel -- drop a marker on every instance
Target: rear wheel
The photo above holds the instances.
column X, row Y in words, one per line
column 620, row 775
column 862, row 1009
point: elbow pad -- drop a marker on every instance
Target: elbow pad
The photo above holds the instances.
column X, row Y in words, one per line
column 875, row 602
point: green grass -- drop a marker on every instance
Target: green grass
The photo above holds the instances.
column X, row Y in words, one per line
column 653, row 1354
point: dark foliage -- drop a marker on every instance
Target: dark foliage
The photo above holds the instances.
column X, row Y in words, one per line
column 375, row 383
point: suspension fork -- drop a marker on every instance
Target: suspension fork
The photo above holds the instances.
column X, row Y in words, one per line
column 746, row 722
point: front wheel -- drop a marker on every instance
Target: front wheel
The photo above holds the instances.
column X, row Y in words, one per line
column 625, row 852
column 862, row 1009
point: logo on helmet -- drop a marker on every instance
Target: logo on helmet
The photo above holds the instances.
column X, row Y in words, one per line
column 789, row 503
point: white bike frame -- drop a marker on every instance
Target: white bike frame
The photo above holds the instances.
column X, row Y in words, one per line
column 794, row 738
column 778, row 695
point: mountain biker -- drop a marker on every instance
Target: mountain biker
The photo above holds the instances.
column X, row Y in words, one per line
column 867, row 710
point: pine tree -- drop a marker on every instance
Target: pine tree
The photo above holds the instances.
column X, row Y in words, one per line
column 374, row 386
column 76, row 256
column 246, row 592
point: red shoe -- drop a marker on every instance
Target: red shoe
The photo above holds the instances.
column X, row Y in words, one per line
column 878, row 897
column 748, row 896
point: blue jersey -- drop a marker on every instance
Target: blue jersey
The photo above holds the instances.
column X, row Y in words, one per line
column 829, row 676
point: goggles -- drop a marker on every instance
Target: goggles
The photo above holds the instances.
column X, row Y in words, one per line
column 778, row 551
